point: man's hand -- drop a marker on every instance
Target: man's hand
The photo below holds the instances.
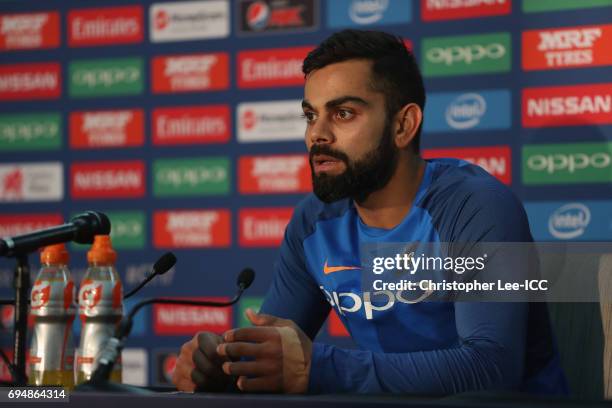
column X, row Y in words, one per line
column 279, row 354
column 199, row 365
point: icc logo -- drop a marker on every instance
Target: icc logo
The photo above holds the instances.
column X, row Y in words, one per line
column 249, row 120
column 161, row 19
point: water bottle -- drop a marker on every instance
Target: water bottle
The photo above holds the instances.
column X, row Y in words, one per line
column 100, row 308
column 53, row 307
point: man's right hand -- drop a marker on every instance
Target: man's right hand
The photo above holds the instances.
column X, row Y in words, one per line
column 199, row 365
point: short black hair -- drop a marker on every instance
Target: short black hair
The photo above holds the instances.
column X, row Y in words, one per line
column 395, row 70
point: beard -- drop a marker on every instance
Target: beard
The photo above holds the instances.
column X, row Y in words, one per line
column 361, row 177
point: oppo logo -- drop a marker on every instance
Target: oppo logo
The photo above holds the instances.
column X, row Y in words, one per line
column 192, row 176
column 569, row 221
column 369, row 302
column 107, row 77
column 367, row 11
column 127, row 228
column 568, row 162
column 466, row 111
column 465, row 54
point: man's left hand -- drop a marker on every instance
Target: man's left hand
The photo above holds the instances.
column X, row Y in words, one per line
column 278, row 351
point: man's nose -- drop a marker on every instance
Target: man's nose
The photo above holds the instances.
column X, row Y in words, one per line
column 319, row 132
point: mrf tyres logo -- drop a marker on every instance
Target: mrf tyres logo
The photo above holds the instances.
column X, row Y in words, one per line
column 259, row 16
column 208, row 228
column 30, row 81
column 191, row 125
column 189, row 73
column 116, row 179
column 567, row 163
column 29, row 31
column 30, row 131
column 189, row 20
column 567, row 47
column 31, row 182
column 274, row 174
column 99, row 129
column 434, row 10
column 577, row 105
column 106, row 77
column 464, row 55
column 191, row 176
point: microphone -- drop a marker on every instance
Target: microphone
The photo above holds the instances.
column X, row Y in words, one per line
column 81, row 228
column 113, row 347
column 161, row 266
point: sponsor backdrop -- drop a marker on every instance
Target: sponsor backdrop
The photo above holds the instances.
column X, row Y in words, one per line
column 181, row 120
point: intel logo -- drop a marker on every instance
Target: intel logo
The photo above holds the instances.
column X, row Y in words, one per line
column 569, row 221
column 466, row 111
column 367, row 11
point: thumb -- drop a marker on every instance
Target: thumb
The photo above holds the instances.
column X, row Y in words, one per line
column 262, row 319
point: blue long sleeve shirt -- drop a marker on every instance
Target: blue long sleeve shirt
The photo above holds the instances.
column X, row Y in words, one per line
column 420, row 347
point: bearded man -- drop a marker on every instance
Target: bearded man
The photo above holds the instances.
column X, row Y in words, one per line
column 363, row 104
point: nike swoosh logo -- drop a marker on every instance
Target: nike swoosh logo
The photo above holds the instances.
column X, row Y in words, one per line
column 331, row 269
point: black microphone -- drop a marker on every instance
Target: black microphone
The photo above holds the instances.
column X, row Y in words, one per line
column 113, row 347
column 81, row 228
column 161, row 266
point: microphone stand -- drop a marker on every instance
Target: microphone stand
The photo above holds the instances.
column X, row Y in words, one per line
column 22, row 286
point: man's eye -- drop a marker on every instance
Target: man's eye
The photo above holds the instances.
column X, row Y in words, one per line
column 344, row 114
column 309, row 116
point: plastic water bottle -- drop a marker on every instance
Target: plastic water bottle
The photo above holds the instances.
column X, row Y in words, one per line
column 100, row 308
column 53, row 307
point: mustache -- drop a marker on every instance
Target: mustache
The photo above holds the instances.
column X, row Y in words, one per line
column 328, row 151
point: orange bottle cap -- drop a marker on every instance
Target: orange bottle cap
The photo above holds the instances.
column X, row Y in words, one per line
column 54, row 255
column 101, row 251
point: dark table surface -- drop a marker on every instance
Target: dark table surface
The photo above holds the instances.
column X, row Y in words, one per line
column 164, row 398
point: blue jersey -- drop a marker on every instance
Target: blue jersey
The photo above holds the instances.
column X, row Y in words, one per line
column 424, row 347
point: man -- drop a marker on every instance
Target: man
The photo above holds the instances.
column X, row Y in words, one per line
column 363, row 104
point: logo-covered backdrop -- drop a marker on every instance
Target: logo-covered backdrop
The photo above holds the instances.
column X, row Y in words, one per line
column 181, row 120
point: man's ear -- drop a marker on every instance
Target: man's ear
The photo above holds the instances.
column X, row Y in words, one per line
column 407, row 122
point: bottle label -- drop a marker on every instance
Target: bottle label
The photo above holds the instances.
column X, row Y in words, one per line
column 100, row 298
column 52, row 297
